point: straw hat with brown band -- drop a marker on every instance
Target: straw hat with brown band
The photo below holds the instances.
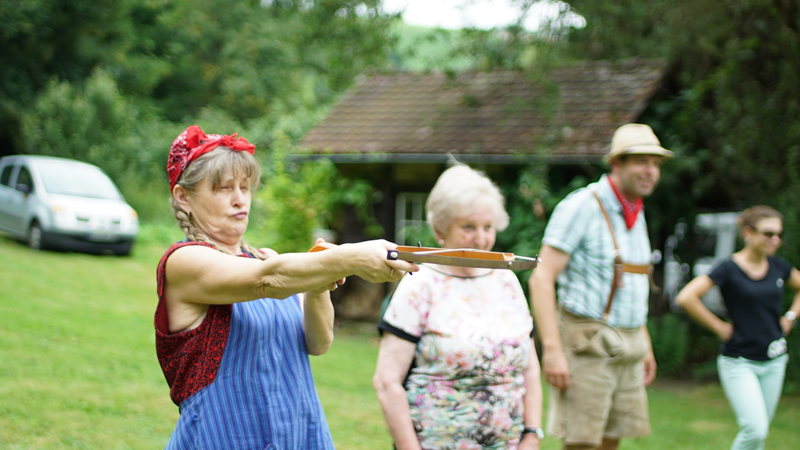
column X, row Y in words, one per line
column 635, row 139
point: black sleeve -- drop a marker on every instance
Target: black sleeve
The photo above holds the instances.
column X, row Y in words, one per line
column 785, row 268
column 389, row 328
column 719, row 274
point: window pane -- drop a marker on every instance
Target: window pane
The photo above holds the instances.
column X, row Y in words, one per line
column 24, row 178
column 409, row 211
column 5, row 178
column 411, row 226
column 78, row 180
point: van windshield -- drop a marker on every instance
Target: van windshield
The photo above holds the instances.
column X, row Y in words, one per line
column 77, row 180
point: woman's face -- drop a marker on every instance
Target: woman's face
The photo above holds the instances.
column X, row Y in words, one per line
column 767, row 235
column 474, row 230
column 222, row 213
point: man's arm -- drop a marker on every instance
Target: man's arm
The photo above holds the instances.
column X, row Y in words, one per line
column 649, row 359
column 542, row 285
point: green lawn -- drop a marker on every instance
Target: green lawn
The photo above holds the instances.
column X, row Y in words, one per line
column 78, row 368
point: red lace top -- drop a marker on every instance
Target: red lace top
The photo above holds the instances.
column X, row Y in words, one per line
column 189, row 359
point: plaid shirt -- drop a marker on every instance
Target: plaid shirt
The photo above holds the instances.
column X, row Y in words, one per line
column 577, row 227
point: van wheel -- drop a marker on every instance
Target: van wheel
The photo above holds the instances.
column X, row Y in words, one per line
column 124, row 250
column 35, row 236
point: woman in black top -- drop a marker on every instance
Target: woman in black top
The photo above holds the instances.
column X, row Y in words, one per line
column 752, row 360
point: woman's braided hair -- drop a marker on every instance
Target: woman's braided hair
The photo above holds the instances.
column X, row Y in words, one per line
column 215, row 165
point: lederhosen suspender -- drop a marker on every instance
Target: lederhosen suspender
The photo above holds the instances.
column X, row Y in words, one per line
column 619, row 266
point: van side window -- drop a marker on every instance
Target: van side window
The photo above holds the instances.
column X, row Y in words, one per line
column 24, row 178
column 5, row 177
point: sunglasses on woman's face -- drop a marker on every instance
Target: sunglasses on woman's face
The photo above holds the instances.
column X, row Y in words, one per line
column 772, row 234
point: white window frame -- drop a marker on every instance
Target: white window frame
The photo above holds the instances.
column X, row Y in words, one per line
column 415, row 201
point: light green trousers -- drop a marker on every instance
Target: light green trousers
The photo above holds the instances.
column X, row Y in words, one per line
column 753, row 389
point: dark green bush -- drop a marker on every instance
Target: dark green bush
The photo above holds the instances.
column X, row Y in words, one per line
column 669, row 334
column 297, row 198
column 95, row 123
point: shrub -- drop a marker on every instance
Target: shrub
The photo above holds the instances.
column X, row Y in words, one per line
column 94, row 123
column 530, row 199
column 298, row 198
column 669, row 334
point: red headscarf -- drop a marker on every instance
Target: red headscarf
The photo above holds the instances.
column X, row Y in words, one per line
column 193, row 143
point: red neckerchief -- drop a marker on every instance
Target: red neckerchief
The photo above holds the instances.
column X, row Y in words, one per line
column 630, row 210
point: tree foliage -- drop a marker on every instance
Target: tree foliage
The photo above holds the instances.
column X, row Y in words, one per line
column 113, row 83
column 529, row 201
column 297, row 200
column 241, row 57
column 729, row 106
column 47, row 39
column 732, row 91
column 95, row 123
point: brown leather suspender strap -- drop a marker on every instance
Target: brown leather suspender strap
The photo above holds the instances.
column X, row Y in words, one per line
column 637, row 268
column 619, row 266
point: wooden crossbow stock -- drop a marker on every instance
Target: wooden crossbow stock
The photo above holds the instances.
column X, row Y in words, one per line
column 462, row 257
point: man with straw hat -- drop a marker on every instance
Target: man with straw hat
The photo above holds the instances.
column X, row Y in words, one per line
column 597, row 353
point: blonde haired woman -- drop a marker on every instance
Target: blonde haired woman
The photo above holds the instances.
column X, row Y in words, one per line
column 752, row 360
column 475, row 383
column 232, row 334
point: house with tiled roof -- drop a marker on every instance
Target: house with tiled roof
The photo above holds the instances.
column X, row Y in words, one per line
column 397, row 129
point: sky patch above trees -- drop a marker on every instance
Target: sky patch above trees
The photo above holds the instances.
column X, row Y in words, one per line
column 482, row 14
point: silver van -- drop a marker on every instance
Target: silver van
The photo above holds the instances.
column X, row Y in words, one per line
column 64, row 204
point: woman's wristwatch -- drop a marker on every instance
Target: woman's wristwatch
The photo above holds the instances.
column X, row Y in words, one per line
column 538, row 431
column 791, row 316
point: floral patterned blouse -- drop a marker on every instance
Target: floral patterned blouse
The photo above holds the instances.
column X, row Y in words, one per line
column 473, row 340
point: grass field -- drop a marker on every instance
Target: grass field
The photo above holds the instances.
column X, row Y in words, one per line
column 78, row 368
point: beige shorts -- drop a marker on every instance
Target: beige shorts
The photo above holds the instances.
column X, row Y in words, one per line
column 606, row 397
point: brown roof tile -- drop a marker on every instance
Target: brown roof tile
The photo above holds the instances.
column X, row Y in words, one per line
column 495, row 113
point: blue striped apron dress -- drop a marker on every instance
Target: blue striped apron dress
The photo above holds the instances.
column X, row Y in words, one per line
column 263, row 396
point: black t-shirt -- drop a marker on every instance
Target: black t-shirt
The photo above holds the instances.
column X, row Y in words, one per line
column 755, row 309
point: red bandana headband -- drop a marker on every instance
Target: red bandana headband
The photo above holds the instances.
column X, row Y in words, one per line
column 193, row 143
